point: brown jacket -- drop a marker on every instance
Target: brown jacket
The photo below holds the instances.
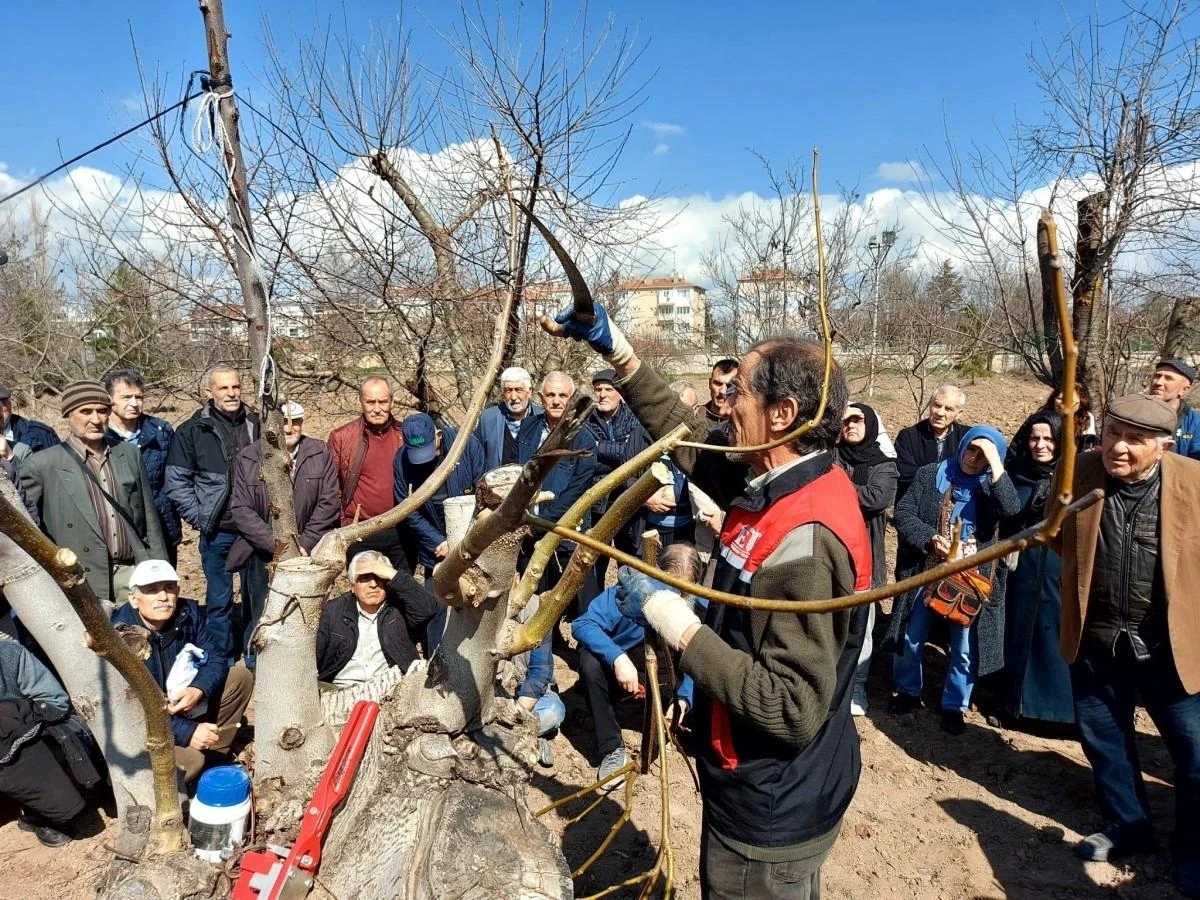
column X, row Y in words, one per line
column 348, row 446
column 1179, row 546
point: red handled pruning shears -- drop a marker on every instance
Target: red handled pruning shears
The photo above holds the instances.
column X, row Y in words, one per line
column 282, row 874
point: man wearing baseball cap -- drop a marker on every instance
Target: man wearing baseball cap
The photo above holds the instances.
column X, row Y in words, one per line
column 315, row 501
column 1131, row 626
column 18, row 430
column 1171, row 383
column 205, row 702
column 424, row 446
column 93, row 498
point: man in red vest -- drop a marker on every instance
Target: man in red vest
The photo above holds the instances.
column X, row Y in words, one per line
column 363, row 452
column 780, row 759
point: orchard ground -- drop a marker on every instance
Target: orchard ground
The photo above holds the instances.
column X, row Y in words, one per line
column 990, row 814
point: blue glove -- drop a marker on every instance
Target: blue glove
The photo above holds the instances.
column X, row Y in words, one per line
column 633, row 589
column 598, row 335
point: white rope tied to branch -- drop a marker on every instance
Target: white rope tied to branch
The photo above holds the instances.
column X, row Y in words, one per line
column 209, row 131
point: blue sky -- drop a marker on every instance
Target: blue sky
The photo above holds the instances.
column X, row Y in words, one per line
column 870, row 82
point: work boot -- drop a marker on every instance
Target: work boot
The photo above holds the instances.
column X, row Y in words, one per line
column 953, row 722
column 1114, row 843
column 43, row 830
column 904, row 705
column 612, row 762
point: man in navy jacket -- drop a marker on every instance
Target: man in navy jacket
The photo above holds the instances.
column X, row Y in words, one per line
column 424, row 447
column 206, row 713
column 500, row 425
column 128, row 423
column 18, row 430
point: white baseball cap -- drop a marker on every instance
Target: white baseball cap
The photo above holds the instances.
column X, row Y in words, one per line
column 152, row 571
column 292, row 410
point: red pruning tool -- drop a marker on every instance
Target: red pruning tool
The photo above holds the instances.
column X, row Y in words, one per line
column 282, row 874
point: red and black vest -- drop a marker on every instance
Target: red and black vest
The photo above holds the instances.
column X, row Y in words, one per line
column 757, row 789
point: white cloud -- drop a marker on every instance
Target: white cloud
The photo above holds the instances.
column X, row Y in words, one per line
column 133, row 104
column 663, row 129
column 661, row 149
column 668, row 233
column 900, row 171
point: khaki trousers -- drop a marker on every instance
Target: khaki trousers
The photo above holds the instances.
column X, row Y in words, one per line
column 226, row 714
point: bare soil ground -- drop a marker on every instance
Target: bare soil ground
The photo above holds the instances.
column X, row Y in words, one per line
column 990, row 814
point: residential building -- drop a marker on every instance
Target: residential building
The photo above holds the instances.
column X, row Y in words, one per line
column 668, row 309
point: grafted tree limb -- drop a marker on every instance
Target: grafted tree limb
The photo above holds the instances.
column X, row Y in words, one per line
column 549, row 542
column 167, row 833
column 552, row 604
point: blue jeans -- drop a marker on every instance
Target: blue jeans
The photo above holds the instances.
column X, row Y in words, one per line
column 255, row 585
column 907, row 669
column 550, row 711
column 1106, row 689
column 218, row 599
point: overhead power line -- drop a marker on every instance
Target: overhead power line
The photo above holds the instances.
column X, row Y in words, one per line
column 116, row 137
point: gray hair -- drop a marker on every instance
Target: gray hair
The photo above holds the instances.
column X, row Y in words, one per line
column 372, row 379
column 517, row 374
column 947, row 388
column 362, row 558
column 682, row 559
column 207, row 378
column 558, row 375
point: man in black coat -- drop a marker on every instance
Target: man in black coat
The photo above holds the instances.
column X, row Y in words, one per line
column 931, row 440
column 29, row 773
column 619, row 438
column 373, row 626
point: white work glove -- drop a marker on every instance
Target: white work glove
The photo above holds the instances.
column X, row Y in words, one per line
column 647, row 600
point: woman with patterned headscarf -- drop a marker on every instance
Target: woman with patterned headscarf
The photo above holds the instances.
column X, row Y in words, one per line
column 969, row 492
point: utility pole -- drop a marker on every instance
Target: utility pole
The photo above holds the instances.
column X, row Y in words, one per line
column 879, row 249
column 276, row 459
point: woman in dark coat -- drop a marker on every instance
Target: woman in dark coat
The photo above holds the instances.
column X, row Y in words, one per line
column 873, row 471
column 1036, row 682
column 980, row 492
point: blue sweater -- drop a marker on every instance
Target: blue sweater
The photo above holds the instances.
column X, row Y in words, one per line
column 606, row 632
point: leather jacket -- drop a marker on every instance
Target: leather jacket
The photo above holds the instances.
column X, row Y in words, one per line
column 1127, row 589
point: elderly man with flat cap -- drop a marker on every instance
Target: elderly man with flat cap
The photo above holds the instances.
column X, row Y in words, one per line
column 1172, row 382
column 1131, row 626
column 93, row 498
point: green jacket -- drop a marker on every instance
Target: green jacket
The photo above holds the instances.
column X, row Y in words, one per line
column 54, row 482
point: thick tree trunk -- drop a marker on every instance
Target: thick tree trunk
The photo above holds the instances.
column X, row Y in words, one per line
column 1051, row 336
column 291, row 736
column 1183, row 329
column 1087, row 286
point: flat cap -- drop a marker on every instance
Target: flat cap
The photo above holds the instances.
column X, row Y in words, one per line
column 609, row 375
column 1145, row 412
column 5, row 393
column 77, row 393
column 1188, row 372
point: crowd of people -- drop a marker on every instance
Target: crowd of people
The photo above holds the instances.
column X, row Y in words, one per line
column 1075, row 632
